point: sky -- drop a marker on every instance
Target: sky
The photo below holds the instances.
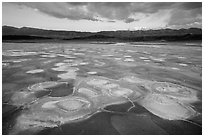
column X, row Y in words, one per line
column 102, row 16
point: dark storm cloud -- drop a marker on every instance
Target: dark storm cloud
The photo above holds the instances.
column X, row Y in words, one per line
column 187, row 14
column 61, row 10
column 129, row 20
column 191, row 5
column 181, row 13
column 151, row 7
column 116, row 4
column 111, row 21
column 77, row 3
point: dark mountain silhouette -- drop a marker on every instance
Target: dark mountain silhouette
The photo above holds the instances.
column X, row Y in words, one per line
column 26, row 33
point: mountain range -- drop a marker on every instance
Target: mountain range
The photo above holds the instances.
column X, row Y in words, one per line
column 10, row 33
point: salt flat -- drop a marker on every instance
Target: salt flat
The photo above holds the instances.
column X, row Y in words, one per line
column 142, row 82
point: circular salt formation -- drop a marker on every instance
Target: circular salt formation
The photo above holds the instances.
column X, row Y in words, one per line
column 97, row 82
column 180, row 93
column 164, row 87
column 35, row 71
column 110, row 85
column 167, row 108
column 121, row 92
column 87, row 92
column 43, row 85
column 22, row 98
column 101, row 83
column 73, row 104
column 68, row 75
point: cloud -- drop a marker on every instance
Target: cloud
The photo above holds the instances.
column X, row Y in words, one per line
column 77, row 3
column 191, row 15
column 62, row 10
column 181, row 12
column 191, row 5
column 111, row 21
column 113, row 11
column 129, row 20
column 151, row 7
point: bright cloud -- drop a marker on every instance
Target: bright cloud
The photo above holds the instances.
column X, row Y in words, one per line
column 129, row 14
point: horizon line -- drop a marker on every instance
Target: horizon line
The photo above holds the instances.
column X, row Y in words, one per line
column 142, row 29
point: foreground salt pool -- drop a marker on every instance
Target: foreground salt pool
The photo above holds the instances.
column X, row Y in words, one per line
column 86, row 101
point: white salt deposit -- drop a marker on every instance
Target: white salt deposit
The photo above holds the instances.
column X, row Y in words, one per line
column 49, row 56
column 21, row 53
column 157, row 59
column 127, row 56
column 146, row 60
column 35, row 71
column 107, row 55
column 59, row 64
column 92, row 72
column 5, row 64
column 131, row 51
column 180, row 57
column 117, row 58
column 181, row 64
column 133, row 79
column 49, row 105
column 70, row 57
column 119, row 44
column 83, row 63
column 143, row 58
column 43, row 85
column 79, row 54
column 121, row 92
column 110, row 85
column 65, row 68
column 68, row 60
column 97, row 82
column 88, row 92
column 68, row 75
column 129, row 60
column 175, row 68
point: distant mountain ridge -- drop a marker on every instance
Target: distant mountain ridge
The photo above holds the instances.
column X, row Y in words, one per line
column 13, row 33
